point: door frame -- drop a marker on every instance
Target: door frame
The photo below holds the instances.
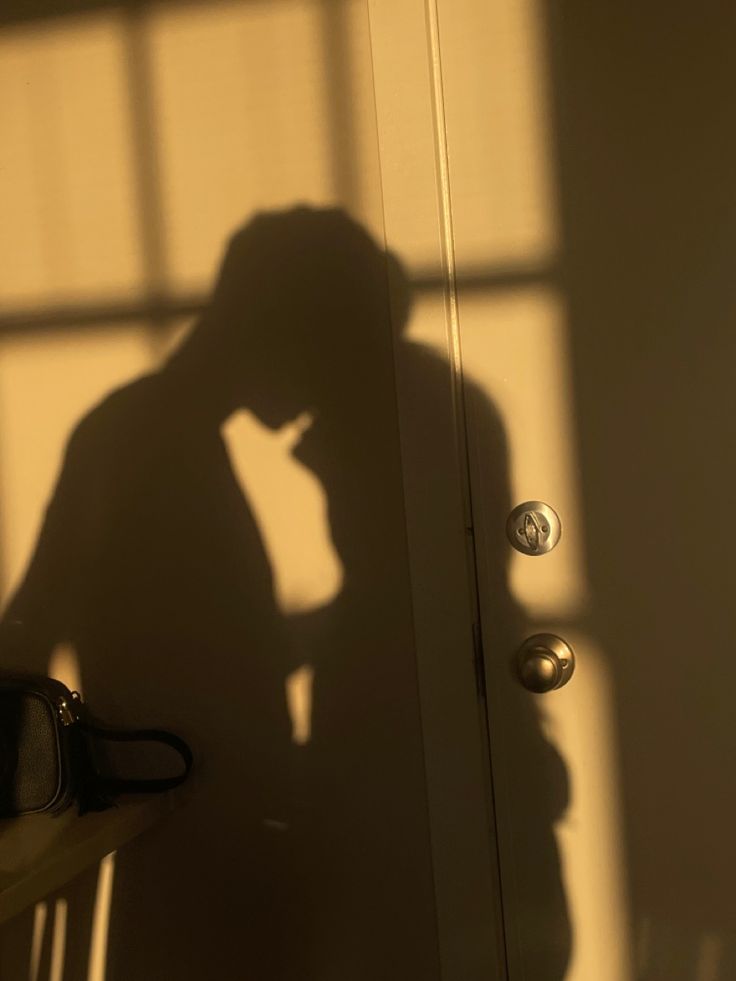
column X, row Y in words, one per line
column 416, row 201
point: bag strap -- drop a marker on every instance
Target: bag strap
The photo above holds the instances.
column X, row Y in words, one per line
column 121, row 785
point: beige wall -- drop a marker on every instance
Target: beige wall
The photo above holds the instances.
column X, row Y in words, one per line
column 135, row 142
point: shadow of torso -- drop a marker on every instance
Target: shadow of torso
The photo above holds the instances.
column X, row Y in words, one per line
column 151, row 564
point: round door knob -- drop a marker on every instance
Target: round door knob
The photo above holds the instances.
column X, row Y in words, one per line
column 545, row 662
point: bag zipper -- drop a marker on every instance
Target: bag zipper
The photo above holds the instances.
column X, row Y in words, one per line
column 67, row 708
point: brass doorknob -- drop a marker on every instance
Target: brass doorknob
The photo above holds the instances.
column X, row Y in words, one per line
column 545, row 662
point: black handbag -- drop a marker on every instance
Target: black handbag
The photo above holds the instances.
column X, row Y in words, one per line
column 50, row 751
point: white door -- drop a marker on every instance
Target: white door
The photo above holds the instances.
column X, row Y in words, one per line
column 579, row 213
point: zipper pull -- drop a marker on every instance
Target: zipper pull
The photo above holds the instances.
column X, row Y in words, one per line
column 67, row 708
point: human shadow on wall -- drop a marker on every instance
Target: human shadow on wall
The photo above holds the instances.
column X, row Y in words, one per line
column 288, row 861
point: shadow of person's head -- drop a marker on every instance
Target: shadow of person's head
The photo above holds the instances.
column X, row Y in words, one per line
column 299, row 314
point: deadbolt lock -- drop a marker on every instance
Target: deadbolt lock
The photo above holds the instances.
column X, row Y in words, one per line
column 533, row 528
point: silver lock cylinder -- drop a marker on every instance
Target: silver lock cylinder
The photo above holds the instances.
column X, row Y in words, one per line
column 533, row 528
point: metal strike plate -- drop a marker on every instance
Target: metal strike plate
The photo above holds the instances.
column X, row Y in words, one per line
column 533, row 528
